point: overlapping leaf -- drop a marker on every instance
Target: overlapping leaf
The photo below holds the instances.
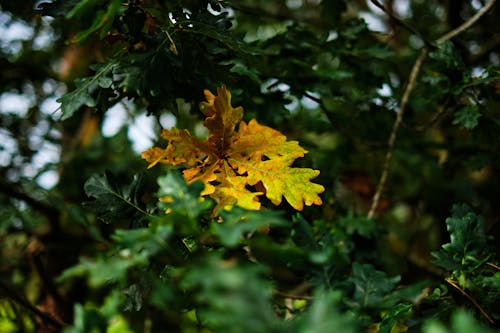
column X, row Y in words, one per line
column 239, row 162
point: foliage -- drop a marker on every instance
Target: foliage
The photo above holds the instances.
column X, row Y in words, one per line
column 91, row 241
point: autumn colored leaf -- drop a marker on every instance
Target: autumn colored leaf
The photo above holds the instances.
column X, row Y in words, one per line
column 239, row 162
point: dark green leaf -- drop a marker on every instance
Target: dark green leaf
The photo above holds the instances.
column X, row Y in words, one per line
column 100, row 272
column 115, row 201
column 467, row 241
column 397, row 315
column 461, row 322
column 302, row 233
column 372, row 288
column 448, row 54
column 85, row 89
column 228, row 293
column 324, row 316
column 467, row 116
column 103, row 19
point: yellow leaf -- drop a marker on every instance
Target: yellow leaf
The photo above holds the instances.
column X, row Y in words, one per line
column 221, row 119
column 182, row 148
column 232, row 191
column 239, row 162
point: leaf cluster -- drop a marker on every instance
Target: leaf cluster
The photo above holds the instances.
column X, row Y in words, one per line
column 230, row 161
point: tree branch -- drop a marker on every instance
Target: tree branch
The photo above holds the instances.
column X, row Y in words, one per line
column 470, row 298
column 467, row 24
column 406, row 94
column 402, row 23
column 392, row 138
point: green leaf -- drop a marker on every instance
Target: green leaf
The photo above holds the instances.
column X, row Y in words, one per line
column 361, row 225
column 324, row 316
column 467, row 117
column 227, row 293
column 103, row 19
column 82, row 95
column 224, row 37
column 148, row 240
column 302, row 233
column 238, row 222
column 493, row 282
column 81, row 6
column 397, row 315
column 467, row 241
column 100, row 272
column 449, row 55
column 85, row 88
column 372, row 288
column 106, row 318
column 114, row 201
column 240, row 68
column 87, row 320
column 177, row 196
column 461, row 322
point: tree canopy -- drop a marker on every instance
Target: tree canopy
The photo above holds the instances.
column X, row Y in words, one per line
column 319, row 166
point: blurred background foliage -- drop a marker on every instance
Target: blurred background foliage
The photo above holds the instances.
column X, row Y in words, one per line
column 86, row 85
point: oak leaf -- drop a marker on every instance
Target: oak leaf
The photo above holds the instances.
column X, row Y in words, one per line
column 239, row 162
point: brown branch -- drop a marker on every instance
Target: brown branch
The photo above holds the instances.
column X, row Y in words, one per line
column 406, row 94
column 44, row 316
column 470, row 298
column 467, row 24
column 293, row 296
column 493, row 266
column 392, row 138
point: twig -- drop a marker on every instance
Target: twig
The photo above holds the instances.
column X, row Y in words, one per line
column 466, row 24
column 173, row 48
column 470, row 298
column 493, row 266
column 406, row 94
column 292, row 296
column 392, row 138
column 401, row 23
column 46, row 317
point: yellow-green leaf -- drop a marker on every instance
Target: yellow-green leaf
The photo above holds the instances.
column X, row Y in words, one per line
column 239, row 162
